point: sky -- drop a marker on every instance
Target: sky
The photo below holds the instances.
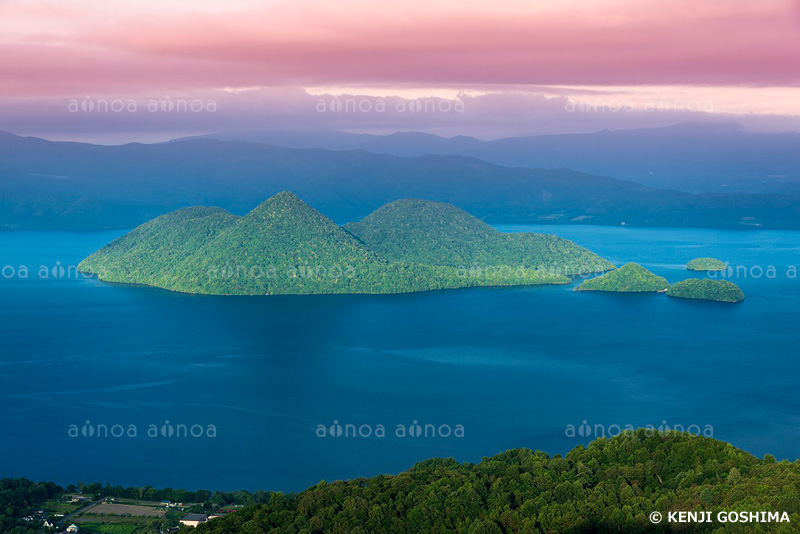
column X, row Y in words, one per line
column 145, row 71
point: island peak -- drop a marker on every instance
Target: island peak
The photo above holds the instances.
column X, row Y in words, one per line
column 630, row 278
column 707, row 289
column 285, row 246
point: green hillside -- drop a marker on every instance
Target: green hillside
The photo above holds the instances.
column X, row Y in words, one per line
column 283, row 246
column 706, row 264
column 613, row 485
column 706, row 289
column 630, row 278
column 435, row 233
column 609, row 486
column 146, row 253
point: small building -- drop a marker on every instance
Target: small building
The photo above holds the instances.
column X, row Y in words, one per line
column 72, row 529
column 193, row 520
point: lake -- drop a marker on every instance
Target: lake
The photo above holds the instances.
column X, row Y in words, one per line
column 246, row 382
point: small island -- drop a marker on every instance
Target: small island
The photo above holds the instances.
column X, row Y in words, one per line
column 706, row 264
column 630, row 278
column 706, row 289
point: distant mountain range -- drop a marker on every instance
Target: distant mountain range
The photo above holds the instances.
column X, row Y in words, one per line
column 284, row 246
column 61, row 185
column 696, row 158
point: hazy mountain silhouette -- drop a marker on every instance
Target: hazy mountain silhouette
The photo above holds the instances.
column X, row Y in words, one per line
column 705, row 158
column 47, row 184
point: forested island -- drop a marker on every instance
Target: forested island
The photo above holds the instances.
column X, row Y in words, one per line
column 611, row 485
column 284, row 246
column 630, row 278
column 706, row 289
column 706, row 264
column 633, row 278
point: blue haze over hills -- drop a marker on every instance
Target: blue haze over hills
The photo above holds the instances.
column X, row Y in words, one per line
column 61, row 185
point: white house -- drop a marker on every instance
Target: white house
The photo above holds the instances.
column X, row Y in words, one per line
column 193, row 520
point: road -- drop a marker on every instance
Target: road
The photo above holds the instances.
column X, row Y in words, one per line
column 66, row 519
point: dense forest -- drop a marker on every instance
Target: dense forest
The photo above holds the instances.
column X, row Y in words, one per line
column 707, row 289
column 18, row 498
column 706, row 264
column 284, row 246
column 434, row 233
column 630, row 278
column 610, row 486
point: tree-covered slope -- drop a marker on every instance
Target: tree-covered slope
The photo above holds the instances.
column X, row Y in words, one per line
column 18, row 499
column 146, row 253
column 435, row 233
column 611, row 486
column 706, row 264
column 706, row 289
column 631, row 277
column 283, row 246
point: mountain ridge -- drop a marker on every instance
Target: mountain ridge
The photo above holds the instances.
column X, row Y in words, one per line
column 46, row 185
column 712, row 157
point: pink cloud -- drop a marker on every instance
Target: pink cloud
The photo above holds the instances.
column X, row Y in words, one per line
column 430, row 43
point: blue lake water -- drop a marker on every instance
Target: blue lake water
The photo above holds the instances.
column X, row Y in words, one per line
column 514, row 366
